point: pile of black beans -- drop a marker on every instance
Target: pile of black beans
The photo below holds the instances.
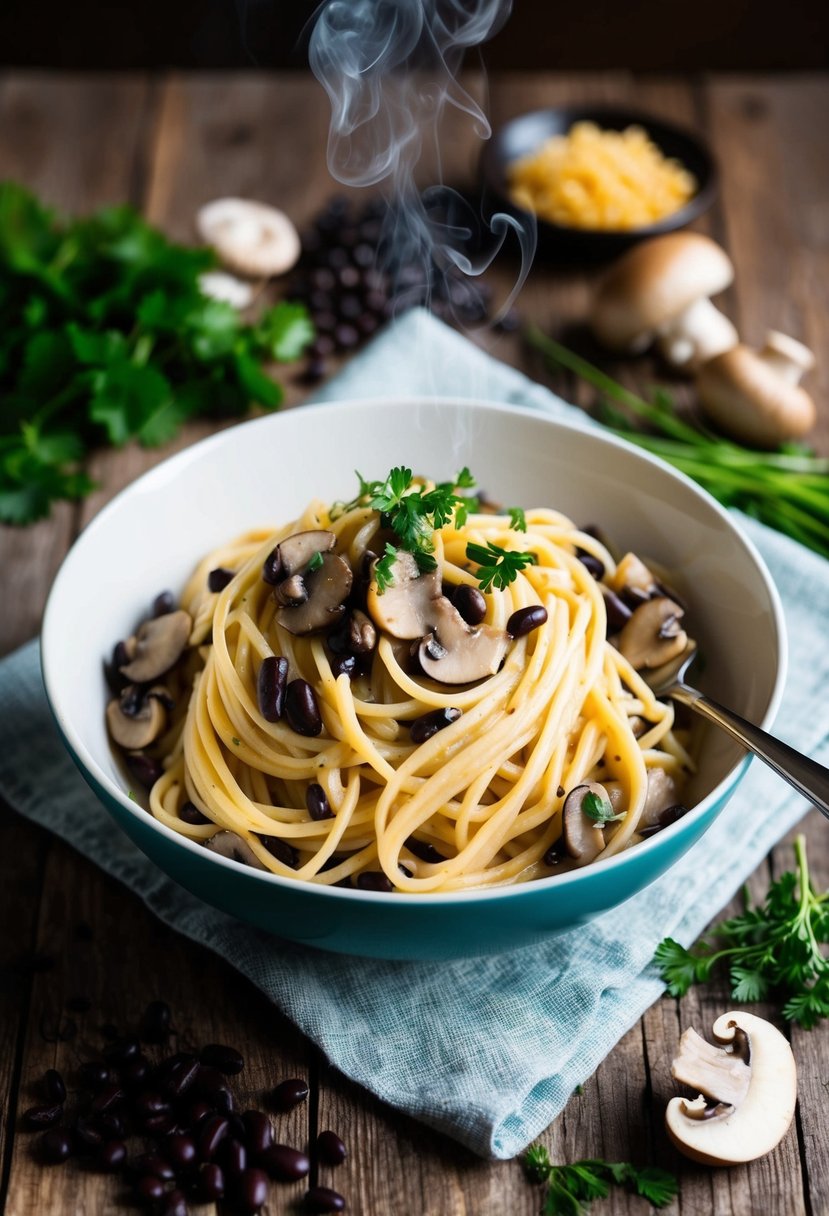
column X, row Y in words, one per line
column 352, row 281
column 169, row 1128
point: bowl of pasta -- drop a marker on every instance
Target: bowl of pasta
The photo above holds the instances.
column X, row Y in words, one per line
column 408, row 713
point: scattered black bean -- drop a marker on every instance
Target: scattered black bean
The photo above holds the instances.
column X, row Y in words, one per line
column 150, row 1103
column 223, row 1100
column 554, row 855
column 525, row 620
column 135, row 1072
column 56, row 1146
column 183, row 1075
column 156, row 1019
column 121, row 1050
column 591, row 563
column 317, row 802
column 424, row 850
column 180, row 1150
column 374, row 880
column 618, row 613
column 227, row 1059
column 322, row 1199
column 145, row 769
column 149, row 1188
column 37, row 1118
column 271, row 685
column 281, row 850
column 331, row 1149
column 154, row 1163
column 219, row 578
column 107, row 1097
column 111, row 1156
column 160, row 1125
column 211, row 1133
column 344, row 664
column 252, row 1190
column 285, row 1164
column 211, row 1182
column 87, row 1135
column 670, row 815
column 163, row 603
column 301, row 708
column 173, row 1204
column 111, row 1125
column 233, row 1157
column 53, row 1086
column 208, row 1079
column 287, row 1094
column 258, row 1131
column 470, row 603
column 198, row 1111
column 426, row 725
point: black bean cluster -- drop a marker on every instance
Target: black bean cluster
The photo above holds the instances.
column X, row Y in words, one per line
column 353, row 280
column 195, row 1145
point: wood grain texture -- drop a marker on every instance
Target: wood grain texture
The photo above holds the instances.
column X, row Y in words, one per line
column 170, row 145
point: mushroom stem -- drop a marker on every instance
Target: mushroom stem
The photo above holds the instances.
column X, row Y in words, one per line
column 698, row 333
column 788, row 357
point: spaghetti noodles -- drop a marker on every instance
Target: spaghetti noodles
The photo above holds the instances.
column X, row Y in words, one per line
column 380, row 775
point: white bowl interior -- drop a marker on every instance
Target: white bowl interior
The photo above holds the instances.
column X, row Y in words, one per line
column 264, row 472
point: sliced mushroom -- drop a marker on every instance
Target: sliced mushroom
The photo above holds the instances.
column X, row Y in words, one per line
column 457, row 653
column 232, row 846
column 135, row 721
column 583, row 838
column 661, row 793
column 250, row 238
column 327, row 589
column 633, row 575
column 159, row 644
column 297, row 551
column 653, row 635
column 750, row 1083
column 406, row 609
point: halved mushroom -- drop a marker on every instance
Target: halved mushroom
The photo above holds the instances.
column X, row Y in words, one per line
column 327, row 589
column 747, row 1091
column 250, row 238
column 296, row 551
column 231, row 845
column 584, row 838
column 661, row 793
column 457, row 653
column 159, row 644
column 136, row 720
column 653, row 635
column 406, row 609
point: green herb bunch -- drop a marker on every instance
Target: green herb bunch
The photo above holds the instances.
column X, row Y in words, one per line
column 787, row 489
column 571, row 1189
column 105, row 336
column 773, row 949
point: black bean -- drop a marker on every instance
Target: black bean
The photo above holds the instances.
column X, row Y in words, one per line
column 233, row 1157
column 149, row 1188
column 322, row 346
column 670, row 815
column 284, row 852
column 470, row 603
column 424, row 850
column 317, row 802
column 163, row 603
column 149, row 1103
column 55, row 1146
column 525, row 620
column 111, row 1156
column 374, row 880
column 272, row 567
column 331, row 1148
column 325, row 321
column 367, row 323
column 135, row 1072
column 554, row 855
column 323, row 1199
column 618, row 613
column 344, row 664
column 36, row 1118
column 426, row 725
column 160, row 1125
column 111, row 1125
column 154, row 1163
column 227, row 1059
column 122, row 1050
column 591, row 563
column 315, row 370
column 198, row 1111
column 211, row 1182
column 145, row 769
column 183, row 1076
column 219, row 578
column 120, row 655
column 87, row 1135
column 347, row 337
column 157, row 1017
column 53, row 1085
column 173, row 1204
column 223, row 1100
column 107, row 1098
column 271, row 686
column 259, row 1131
column 211, row 1133
column 288, row 1094
column 180, row 1150
column 285, row 1164
column 301, row 708
column 252, row 1190
column 208, row 1081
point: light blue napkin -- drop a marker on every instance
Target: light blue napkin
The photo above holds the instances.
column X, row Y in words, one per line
column 485, row 1050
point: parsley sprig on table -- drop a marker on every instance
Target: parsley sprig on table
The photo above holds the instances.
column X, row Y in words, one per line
column 787, row 489
column 571, row 1189
column 105, row 336
column 772, row 949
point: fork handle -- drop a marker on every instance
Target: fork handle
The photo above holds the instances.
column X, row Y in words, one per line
column 807, row 776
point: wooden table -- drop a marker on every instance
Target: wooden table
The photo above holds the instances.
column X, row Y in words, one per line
column 167, row 145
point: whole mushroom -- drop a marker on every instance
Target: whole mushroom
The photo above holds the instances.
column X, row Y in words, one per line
column 755, row 396
column 250, row 238
column 659, row 292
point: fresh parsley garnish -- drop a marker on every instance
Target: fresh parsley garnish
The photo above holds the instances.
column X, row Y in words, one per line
column 383, row 568
column 599, row 809
column 571, row 1189
column 517, row 519
column 498, row 567
column 787, row 489
column 106, row 337
column 315, row 562
column 773, row 949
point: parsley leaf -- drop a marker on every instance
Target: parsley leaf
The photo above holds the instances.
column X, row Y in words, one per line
column 498, row 566
column 571, row 1189
column 383, row 569
column 599, row 809
column 774, row 948
column 517, row 519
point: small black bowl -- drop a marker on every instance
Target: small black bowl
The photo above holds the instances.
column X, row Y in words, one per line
column 525, row 134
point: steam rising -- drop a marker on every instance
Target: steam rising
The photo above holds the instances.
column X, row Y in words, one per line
column 390, row 70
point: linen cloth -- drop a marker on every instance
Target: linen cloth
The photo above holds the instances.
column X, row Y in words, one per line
column 485, row 1050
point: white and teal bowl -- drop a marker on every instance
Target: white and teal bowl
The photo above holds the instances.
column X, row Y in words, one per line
column 262, row 473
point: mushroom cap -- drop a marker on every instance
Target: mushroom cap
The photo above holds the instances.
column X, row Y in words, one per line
column 139, row 727
column 756, row 1124
column 583, row 838
column 296, row 551
column 747, row 398
column 405, row 609
column 457, row 653
column 159, row 644
column 653, row 635
column 250, row 238
column 226, row 287
column 234, row 847
column 327, row 589
column 654, row 282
